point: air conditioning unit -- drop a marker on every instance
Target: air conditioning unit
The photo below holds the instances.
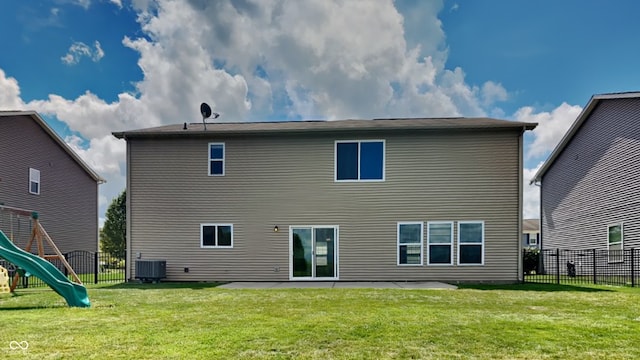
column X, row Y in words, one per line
column 151, row 270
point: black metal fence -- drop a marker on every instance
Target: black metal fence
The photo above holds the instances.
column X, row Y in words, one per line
column 593, row 266
column 91, row 268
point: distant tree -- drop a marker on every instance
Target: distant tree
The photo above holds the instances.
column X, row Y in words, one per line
column 114, row 232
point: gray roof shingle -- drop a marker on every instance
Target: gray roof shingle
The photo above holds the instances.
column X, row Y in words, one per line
column 230, row 128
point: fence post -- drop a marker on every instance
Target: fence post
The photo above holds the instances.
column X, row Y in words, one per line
column 524, row 273
column 595, row 265
column 558, row 266
column 96, row 266
column 633, row 268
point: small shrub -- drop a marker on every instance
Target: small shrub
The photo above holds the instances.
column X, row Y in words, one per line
column 530, row 260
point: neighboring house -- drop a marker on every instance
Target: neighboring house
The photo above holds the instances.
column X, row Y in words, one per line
column 531, row 233
column 40, row 172
column 590, row 187
column 386, row 199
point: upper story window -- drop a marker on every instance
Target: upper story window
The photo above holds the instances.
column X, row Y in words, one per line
column 216, row 159
column 34, row 181
column 614, row 243
column 359, row 160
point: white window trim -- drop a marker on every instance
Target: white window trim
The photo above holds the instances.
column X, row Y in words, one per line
column 224, row 160
column 621, row 259
column 421, row 223
column 216, row 236
column 534, row 238
column 359, row 142
column 462, row 244
column 34, row 177
column 429, row 243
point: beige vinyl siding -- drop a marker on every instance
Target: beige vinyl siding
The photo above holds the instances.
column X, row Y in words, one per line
column 68, row 199
column 288, row 180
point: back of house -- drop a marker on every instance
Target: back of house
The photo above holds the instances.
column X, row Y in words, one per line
column 353, row 200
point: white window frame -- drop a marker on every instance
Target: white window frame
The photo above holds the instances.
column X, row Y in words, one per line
column 202, row 245
column 439, row 244
column 224, row 155
column 534, row 238
column 34, row 178
column 460, row 243
column 359, row 142
column 620, row 258
column 398, row 244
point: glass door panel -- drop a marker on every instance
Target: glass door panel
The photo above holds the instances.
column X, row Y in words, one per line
column 325, row 239
column 302, row 249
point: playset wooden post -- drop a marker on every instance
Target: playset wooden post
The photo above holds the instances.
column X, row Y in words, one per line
column 39, row 235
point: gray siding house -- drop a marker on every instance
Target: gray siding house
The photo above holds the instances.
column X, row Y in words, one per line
column 590, row 189
column 40, row 172
column 352, row 200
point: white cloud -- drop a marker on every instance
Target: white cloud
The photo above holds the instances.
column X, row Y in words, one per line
column 98, row 53
column 77, row 50
column 531, row 194
column 118, row 3
column 82, row 3
column 106, row 155
column 326, row 59
column 492, row 92
column 551, row 126
column 312, row 59
column 9, row 93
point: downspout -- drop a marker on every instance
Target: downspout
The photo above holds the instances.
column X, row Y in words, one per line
column 520, row 204
column 129, row 261
column 540, row 247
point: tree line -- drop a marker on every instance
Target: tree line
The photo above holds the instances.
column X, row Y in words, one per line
column 113, row 234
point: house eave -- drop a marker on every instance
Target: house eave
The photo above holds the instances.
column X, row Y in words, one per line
column 316, row 127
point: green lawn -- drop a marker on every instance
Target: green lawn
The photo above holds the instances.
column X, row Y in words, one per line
column 108, row 275
column 191, row 321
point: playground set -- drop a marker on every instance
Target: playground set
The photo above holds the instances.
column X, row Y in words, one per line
column 28, row 263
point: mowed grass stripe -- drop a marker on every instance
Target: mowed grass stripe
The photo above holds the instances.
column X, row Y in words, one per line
column 200, row 321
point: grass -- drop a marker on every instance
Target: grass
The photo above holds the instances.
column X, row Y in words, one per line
column 108, row 275
column 616, row 280
column 200, row 321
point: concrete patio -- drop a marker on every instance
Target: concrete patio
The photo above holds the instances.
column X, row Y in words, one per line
column 339, row 284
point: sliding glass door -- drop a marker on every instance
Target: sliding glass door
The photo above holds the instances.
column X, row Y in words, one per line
column 314, row 252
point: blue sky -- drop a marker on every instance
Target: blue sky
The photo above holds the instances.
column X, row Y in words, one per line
column 90, row 67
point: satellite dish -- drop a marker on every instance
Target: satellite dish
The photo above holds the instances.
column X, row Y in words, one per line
column 205, row 110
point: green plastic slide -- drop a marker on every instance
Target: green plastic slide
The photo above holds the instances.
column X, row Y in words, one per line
column 74, row 294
